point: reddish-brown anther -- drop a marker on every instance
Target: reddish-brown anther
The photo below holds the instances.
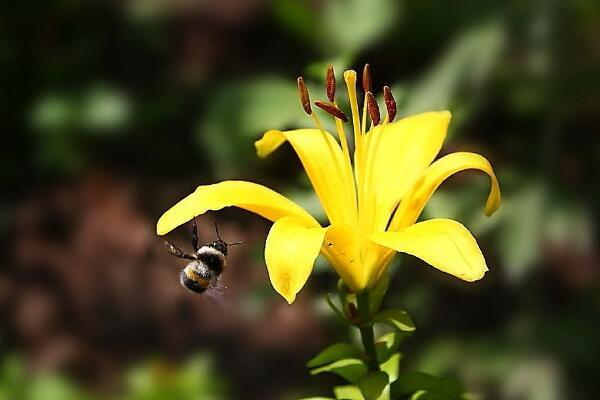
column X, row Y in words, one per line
column 330, row 83
column 331, row 109
column 390, row 103
column 304, row 98
column 373, row 108
column 366, row 78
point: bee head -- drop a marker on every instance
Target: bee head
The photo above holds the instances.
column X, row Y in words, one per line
column 219, row 245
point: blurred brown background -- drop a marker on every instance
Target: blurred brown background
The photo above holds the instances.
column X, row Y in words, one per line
column 112, row 111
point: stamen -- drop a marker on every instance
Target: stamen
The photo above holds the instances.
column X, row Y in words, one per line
column 373, row 109
column 367, row 84
column 332, row 109
column 366, row 78
column 304, row 98
column 330, row 84
column 390, row 103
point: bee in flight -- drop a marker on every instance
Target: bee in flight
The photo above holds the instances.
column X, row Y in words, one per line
column 206, row 263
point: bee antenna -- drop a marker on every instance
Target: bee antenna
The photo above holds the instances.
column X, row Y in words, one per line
column 217, row 230
column 221, row 239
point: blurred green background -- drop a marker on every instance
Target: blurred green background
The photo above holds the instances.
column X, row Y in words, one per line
column 112, row 111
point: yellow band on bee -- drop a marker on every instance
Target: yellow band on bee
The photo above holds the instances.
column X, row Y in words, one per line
column 191, row 274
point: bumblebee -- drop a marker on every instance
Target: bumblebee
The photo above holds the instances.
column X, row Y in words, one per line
column 206, row 263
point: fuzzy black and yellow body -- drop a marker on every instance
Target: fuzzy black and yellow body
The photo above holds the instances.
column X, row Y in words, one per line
column 199, row 274
column 206, row 263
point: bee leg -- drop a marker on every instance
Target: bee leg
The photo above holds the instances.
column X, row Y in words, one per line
column 177, row 252
column 194, row 235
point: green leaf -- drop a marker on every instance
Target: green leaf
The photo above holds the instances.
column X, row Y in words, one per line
column 51, row 387
column 348, row 300
column 464, row 66
column 348, row 392
column 53, row 112
column 261, row 103
column 520, row 237
column 104, row 109
column 386, row 345
column 392, row 366
column 316, row 398
column 378, row 292
column 351, row 369
column 14, row 381
column 339, row 63
column 98, row 108
column 335, row 309
column 411, row 383
column 370, row 21
column 395, row 318
column 334, row 352
column 423, row 395
column 343, row 291
column 388, row 340
column 297, row 16
column 373, row 385
column 157, row 379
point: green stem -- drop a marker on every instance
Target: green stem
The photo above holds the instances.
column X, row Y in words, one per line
column 366, row 331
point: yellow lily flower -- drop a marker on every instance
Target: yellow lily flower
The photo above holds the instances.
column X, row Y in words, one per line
column 372, row 199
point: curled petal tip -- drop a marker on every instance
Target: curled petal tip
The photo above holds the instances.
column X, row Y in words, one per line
column 290, row 298
column 270, row 142
column 447, row 115
column 291, row 249
column 492, row 205
column 476, row 277
column 258, row 145
column 442, row 243
column 162, row 226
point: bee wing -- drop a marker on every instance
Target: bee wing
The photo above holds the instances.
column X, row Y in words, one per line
column 217, row 293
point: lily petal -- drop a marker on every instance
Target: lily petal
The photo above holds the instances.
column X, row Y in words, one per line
column 325, row 166
column 342, row 249
column 247, row 195
column 443, row 243
column 414, row 202
column 398, row 154
column 290, row 253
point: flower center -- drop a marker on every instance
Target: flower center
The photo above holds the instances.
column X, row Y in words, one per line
column 358, row 166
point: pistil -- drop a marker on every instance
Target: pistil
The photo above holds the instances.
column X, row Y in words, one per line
column 350, row 78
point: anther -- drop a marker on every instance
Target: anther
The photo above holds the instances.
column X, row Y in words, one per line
column 366, row 78
column 330, row 83
column 331, row 109
column 303, row 93
column 373, row 108
column 390, row 103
